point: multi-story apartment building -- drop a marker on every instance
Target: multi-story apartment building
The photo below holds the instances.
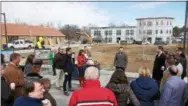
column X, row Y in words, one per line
column 114, row 34
column 155, row 28
column 150, row 29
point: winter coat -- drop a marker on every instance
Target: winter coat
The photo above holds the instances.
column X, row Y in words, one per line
column 123, row 92
column 59, row 61
column 121, row 60
column 14, row 75
column 81, row 60
column 48, row 96
column 69, row 65
column 6, row 93
column 173, row 92
column 145, row 90
column 158, row 63
column 93, row 94
column 28, row 101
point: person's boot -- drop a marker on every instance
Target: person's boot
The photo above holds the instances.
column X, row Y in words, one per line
column 66, row 93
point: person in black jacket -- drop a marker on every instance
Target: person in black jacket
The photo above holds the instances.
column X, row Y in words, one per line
column 59, row 63
column 183, row 61
column 36, row 70
column 68, row 71
column 159, row 65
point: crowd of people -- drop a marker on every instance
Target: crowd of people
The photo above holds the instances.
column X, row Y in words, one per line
column 165, row 87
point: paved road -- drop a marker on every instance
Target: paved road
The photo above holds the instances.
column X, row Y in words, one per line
column 63, row 100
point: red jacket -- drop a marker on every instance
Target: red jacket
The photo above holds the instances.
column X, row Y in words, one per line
column 81, row 60
column 93, row 95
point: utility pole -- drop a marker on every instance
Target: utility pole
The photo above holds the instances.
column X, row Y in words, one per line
column 5, row 25
column 185, row 26
column 68, row 36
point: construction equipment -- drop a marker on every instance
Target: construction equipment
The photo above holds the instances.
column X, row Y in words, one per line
column 90, row 40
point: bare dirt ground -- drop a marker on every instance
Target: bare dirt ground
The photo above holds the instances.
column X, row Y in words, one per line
column 104, row 54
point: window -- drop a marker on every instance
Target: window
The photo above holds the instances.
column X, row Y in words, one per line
column 157, row 23
column 118, row 32
column 16, row 42
column 21, row 42
column 144, row 32
column 156, row 31
column 97, row 33
column 108, row 39
column 127, row 32
column 161, row 32
column 144, row 23
column 131, row 32
column 149, row 23
column 110, row 32
column 140, row 23
column 170, row 23
column 106, row 32
column 161, row 22
column 149, row 32
column 170, row 31
column 140, row 32
column 167, row 23
column 167, row 31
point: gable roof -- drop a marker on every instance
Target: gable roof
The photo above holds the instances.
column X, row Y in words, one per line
column 29, row 30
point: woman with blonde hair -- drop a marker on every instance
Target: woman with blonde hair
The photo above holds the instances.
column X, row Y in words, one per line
column 145, row 88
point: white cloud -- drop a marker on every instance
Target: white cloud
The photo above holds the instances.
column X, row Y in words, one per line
column 55, row 12
column 148, row 5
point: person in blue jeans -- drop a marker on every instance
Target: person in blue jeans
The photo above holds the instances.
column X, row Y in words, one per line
column 69, row 65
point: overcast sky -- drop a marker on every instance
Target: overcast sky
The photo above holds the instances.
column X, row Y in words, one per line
column 84, row 13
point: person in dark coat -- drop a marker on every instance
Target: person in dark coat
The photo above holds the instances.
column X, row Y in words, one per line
column 145, row 88
column 183, row 61
column 159, row 65
column 36, row 70
column 47, row 85
column 119, row 85
column 59, row 63
column 121, row 60
column 68, row 71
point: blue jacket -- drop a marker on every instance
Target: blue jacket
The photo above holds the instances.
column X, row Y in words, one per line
column 27, row 101
column 27, row 69
column 173, row 92
column 145, row 90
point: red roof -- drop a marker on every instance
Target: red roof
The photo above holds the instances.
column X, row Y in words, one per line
column 29, row 30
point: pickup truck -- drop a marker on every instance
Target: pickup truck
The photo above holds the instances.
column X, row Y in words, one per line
column 20, row 44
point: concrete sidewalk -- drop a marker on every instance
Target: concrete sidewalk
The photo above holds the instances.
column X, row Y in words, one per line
column 63, row 100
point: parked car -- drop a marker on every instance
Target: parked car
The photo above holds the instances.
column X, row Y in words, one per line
column 160, row 42
column 137, row 42
column 146, row 43
column 20, row 44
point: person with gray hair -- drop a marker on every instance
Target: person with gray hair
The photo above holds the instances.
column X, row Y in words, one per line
column 92, row 93
column 173, row 92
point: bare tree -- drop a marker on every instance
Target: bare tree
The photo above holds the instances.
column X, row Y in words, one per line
column 70, row 31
